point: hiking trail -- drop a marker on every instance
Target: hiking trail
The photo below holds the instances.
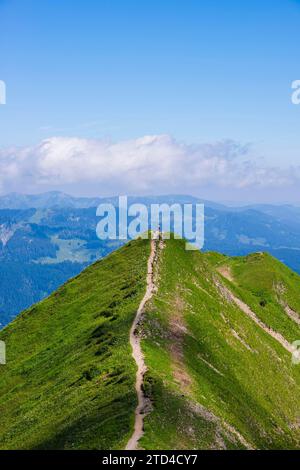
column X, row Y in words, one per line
column 144, row 404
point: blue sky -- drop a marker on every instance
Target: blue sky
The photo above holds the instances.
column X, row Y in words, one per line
column 199, row 71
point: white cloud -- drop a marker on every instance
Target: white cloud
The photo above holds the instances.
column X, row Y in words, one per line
column 150, row 164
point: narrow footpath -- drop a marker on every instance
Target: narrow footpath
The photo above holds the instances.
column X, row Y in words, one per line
column 135, row 341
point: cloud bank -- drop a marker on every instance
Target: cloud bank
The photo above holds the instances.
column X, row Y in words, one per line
column 150, row 164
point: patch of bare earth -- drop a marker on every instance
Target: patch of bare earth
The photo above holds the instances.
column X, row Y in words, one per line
column 237, row 335
column 280, row 289
column 229, row 296
column 225, row 271
column 241, row 340
column 222, row 428
column 210, row 366
column 292, row 314
column 178, row 330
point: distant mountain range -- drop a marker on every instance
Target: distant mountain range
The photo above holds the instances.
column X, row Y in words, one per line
column 47, row 239
column 58, row 199
column 46, row 201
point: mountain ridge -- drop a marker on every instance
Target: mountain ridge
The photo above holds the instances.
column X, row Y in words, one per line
column 215, row 378
column 59, row 199
column 42, row 248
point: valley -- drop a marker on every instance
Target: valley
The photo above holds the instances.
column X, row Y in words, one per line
column 49, row 238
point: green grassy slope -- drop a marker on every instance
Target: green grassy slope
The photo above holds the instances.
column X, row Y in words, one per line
column 69, row 379
column 267, row 286
column 201, row 349
column 216, row 379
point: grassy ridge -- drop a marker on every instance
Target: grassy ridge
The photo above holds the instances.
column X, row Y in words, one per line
column 223, row 360
column 216, row 379
column 69, row 380
column 267, row 285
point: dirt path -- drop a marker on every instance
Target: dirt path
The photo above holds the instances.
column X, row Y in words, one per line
column 247, row 310
column 135, row 341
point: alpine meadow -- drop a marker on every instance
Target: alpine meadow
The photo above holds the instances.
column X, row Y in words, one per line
column 215, row 338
